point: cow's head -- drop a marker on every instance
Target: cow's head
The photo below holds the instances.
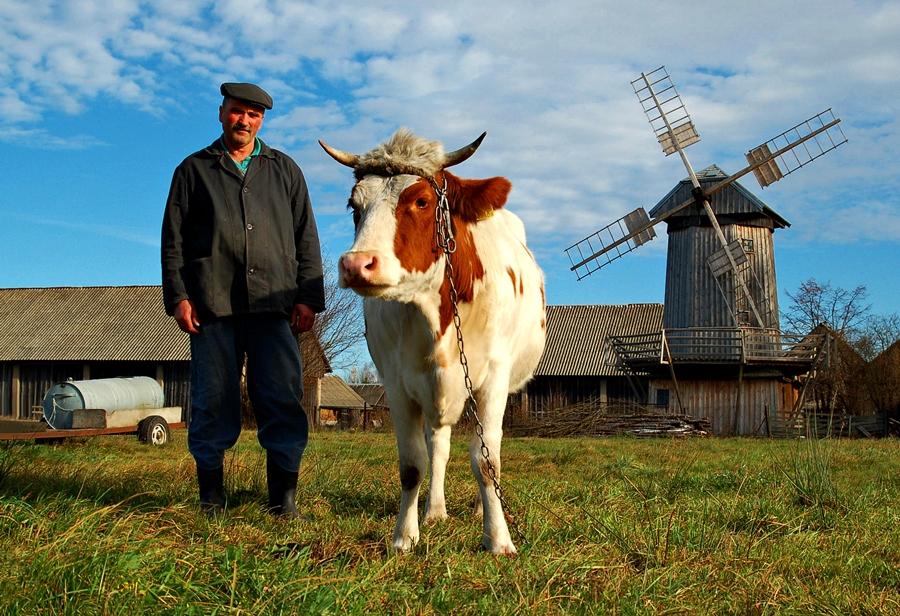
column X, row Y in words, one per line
column 395, row 254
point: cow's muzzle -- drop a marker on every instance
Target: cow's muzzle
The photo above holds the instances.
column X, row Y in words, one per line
column 360, row 270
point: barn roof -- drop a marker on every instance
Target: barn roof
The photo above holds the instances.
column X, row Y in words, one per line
column 733, row 199
column 89, row 323
column 577, row 343
column 336, row 394
column 372, row 393
column 101, row 324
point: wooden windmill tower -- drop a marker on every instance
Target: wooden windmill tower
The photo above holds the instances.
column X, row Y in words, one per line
column 720, row 320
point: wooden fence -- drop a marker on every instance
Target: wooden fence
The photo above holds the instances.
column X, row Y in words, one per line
column 810, row 424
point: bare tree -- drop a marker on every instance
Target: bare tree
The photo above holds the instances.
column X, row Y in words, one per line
column 843, row 312
column 340, row 329
column 366, row 375
column 879, row 333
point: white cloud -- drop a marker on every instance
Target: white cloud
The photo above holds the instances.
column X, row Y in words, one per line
column 550, row 83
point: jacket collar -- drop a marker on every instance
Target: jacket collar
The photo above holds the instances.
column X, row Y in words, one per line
column 216, row 150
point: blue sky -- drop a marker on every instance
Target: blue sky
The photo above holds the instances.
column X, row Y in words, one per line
column 102, row 99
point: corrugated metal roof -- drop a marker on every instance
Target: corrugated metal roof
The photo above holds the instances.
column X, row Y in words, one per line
column 89, row 323
column 577, row 343
column 730, row 200
column 336, row 394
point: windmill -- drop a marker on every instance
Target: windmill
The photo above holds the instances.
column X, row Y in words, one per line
column 724, row 311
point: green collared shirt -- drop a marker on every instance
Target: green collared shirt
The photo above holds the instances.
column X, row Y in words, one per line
column 244, row 164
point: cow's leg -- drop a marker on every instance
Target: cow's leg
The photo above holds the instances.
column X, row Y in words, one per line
column 438, row 453
column 407, row 416
column 491, row 404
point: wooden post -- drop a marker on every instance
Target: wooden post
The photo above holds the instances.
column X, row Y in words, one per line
column 15, row 392
column 671, row 363
column 740, row 388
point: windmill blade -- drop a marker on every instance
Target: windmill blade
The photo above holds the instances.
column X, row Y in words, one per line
column 663, row 107
column 624, row 235
column 611, row 242
column 782, row 155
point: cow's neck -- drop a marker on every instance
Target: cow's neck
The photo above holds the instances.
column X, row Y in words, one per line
column 466, row 269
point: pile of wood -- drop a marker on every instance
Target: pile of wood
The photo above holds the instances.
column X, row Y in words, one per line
column 594, row 419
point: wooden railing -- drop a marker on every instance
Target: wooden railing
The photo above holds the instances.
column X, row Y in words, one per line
column 717, row 345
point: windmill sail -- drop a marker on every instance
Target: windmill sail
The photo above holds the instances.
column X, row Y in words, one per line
column 611, row 242
column 783, row 154
column 665, row 111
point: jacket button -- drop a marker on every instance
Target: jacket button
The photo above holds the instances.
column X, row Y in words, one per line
column 249, row 226
column 252, row 271
column 246, row 190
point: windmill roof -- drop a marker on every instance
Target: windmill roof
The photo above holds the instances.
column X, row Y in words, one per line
column 577, row 337
column 733, row 199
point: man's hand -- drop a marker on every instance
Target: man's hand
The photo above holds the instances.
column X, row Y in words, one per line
column 302, row 318
column 186, row 316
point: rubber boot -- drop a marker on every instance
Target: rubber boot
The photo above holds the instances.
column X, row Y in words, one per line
column 212, row 490
column 282, row 490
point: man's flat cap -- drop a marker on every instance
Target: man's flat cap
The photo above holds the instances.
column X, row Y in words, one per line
column 247, row 92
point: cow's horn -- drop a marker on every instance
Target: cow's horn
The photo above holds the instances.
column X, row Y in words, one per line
column 345, row 158
column 462, row 154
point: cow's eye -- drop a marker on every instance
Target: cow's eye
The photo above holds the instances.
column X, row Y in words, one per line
column 421, row 203
column 356, row 217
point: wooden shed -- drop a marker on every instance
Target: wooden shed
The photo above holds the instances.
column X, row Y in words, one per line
column 580, row 362
column 339, row 404
column 50, row 335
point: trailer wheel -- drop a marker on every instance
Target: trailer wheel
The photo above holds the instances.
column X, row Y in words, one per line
column 153, row 430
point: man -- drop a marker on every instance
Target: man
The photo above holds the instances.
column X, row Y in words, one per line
column 242, row 274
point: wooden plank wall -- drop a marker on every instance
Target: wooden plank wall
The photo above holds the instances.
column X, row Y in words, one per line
column 692, row 297
column 716, row 400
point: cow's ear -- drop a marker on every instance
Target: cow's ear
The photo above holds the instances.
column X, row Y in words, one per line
column 475, row 200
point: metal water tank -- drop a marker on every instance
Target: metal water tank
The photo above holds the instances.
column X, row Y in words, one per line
column 139, row 392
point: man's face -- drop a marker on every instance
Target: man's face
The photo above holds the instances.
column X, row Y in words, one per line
column 240, row 121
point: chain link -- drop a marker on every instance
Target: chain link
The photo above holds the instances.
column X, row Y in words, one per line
column 447, row 243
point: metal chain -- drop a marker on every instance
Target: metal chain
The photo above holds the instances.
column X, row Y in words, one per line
column 447, row 243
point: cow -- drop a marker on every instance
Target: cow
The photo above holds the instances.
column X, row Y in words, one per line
column 397, row 265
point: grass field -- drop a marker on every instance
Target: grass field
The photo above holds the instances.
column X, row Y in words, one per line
column 618, row 526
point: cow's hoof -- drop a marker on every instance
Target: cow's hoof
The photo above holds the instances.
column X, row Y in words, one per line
column 431, row 518
column 402, row 546
column 500, row 549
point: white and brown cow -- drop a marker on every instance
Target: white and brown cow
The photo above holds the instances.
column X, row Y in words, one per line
column 396, row 265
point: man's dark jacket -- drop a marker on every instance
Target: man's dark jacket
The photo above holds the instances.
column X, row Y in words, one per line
column 240, row 245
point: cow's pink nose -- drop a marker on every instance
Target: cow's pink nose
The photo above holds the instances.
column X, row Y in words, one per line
column 358, row 268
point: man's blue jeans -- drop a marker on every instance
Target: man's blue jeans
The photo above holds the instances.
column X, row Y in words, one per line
column 274, row 383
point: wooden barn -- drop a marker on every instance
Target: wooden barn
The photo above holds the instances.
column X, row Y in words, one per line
column 580, row 362
column 49, row 335
column 339, row 405
column 79, row 333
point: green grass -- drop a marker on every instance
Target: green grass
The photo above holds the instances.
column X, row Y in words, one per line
column 618, row 526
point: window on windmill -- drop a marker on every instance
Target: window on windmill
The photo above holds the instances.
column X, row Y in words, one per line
column 747, row 245
column 662, row 397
